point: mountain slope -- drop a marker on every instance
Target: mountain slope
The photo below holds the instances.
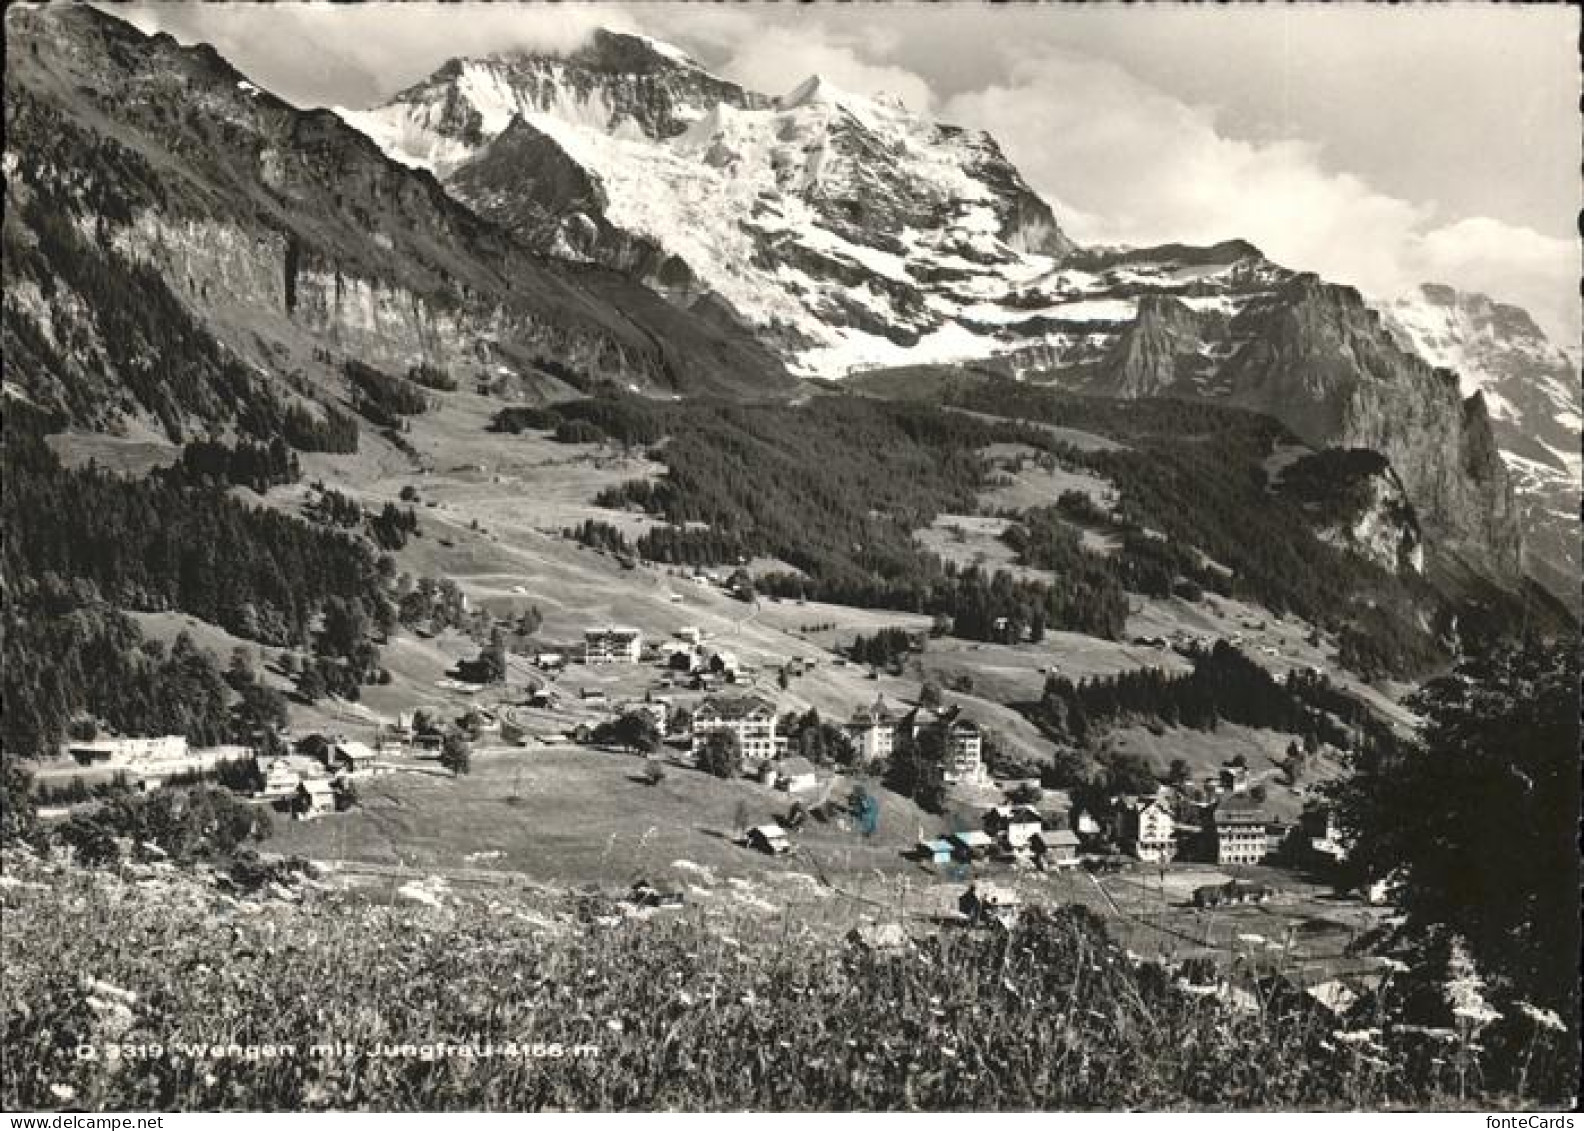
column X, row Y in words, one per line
column 1531, row 388
column 285, row 237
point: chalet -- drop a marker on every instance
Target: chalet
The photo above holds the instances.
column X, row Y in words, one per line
column 982, row 903
column 593, row 696
column 1148, row 830
column 542, row 697
column 281, row 779
column 940, row 851
column 724, row 664
column 971, row 844
column 315, row 797
column 352, row 757
column 873, row 731
column 1236, row 835
column 550, row 661
column 613, row 644
column 796, row 775
column 769, row 839
column 1014, row 825
column 1059, row 846
column 690, row 634
column 750, row 717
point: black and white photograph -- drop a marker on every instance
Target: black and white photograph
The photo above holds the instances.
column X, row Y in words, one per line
column 689, row 557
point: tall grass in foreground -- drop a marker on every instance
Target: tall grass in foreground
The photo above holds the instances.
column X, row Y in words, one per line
column 685, row 1015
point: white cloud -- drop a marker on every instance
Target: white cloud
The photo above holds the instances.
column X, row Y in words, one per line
column 1511, row 264
column 774, row 60
column 355, row 54
column 1125, row 162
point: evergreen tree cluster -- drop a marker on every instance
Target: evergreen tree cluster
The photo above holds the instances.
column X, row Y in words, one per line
column 1225, row 685
column 887, row 647
column 601, row 536
column 146, row 544
column 380, row 397
column 258, row 466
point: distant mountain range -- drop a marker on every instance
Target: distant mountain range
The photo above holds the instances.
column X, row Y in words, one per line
column 850, row 234
column 620, row 218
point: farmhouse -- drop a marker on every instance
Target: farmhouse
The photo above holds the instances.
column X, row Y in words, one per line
column 873, row 731
column 314, row 798
column 750, row 717
column 613, row 644
column 769, row 839
column 1237, row 835
column 940, row 851
column 1016, row 825
column 1148, row 831
column 350, row 756
column 1060, row 846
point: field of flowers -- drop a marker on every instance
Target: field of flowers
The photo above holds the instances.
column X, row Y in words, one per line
column 118, row 985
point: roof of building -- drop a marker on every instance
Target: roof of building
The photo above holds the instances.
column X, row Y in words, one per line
column 357, row 751
column 937, row 846
column 317, row 786
column 1239, row 815
column 735, row 706
column 616, row 630
column 971, row 837
column 1018, row 814
column 769, row 832
column 1061, row 837
column 874, row 714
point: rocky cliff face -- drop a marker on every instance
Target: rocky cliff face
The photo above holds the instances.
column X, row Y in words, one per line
column 1530, row 387
column 286, row 235
column 1321, row 361
column 1358, row 504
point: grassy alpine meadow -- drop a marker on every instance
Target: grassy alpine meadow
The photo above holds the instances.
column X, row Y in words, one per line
column 151, row 987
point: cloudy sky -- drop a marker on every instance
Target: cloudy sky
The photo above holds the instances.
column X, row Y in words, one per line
column 1379, row 146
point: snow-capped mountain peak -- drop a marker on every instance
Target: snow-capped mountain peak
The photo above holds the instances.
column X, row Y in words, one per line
column 845, row 229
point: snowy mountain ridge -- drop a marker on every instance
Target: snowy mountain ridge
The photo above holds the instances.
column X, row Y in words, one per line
column 845, row 229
